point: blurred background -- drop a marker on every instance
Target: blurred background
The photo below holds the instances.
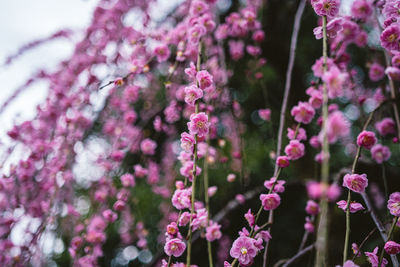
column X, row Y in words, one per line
column 22, row 21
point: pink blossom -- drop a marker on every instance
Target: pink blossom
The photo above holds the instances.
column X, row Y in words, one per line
column 316, row 99
column 195, row 33
column 212, row 190
column 386, row 127
column 192, row 94
column 148, row 146
column 303, row 112
column 187, row 170
column 278, row 185
column 348, row 263
column 162, row 52
column 393, row 73
column 309, row 226
column 244, row 250
column 184, row 219
column 390, row 38
column 373, row 258
column 213, row 232
column 392, row 248
column 236, row 49
column 366, row 139
column 361, row 9
column 355, row 182
column 172, row 230
column 312, row 207
column 109, row 215
column 328, row 8
column 314, row 189
column 174, row 247
column 294, row 150
column 270, row 201
column 354, row 206
column 204, row 79
column 265, row 114
column 181, row 199
column 198, row 7
column 332, row 29
column 240, row 198
column 282, row 161
column 380, row 153
column 337, row 126
column 128, row 180
column 140, row 172
column 249, row 216
column 258, row 36
column 317, row 68
column 333, row 192
column 334, row 80
column 199, row 124
column 394, row 204
column 231, row 177
column 376, row 72
column 391, row 9
column 301, row 134
column 187, row 142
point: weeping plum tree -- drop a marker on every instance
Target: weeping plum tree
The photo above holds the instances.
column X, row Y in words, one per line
column 226, row 133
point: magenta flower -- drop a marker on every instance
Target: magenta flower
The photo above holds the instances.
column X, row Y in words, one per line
column 187, row 170
column 279, row 185
column 392, row 248
column 204, row 79
column 270, row 201
column 373, row 258
column 309, row 226
column 376, row 72
column 355, row 182
column 192, row 93
column 148, row 146
column 380, row 153
column 332, row 29
column 282, row 161
column 303, row 112
column 213, row 231
column 244, row 250
column 312, row 207
column 294, row 150
column 128, row 180
column 264, row 114
column 187, row 142
column 390, row 38
column 181, row 199
column 196, row 32
column 391, row 9
column 162, row 52
column 172, row 230
column 348, row 263
column 366, row 139
column 334, row 80
column 328, row 8
column 354, row 206
column 301, row 134
column 231, row 177
column 198, row 124
column 394, row 204
column 109, row 215
column 361, row 9
column 249, row 216
column 386, row 127
column 174, row 247
column 393, row 73
column 356, row 250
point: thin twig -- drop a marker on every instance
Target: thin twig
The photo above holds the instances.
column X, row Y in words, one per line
column 288, row 82
column 298, row 255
